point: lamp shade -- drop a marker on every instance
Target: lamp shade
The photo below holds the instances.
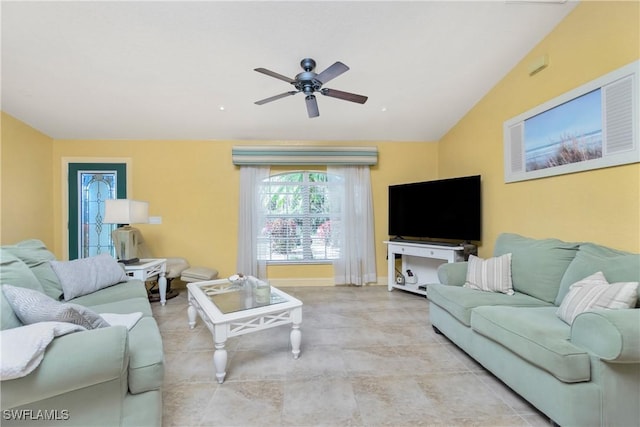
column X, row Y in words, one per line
column 125, row 211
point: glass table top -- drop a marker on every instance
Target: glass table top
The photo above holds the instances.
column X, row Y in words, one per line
column 230, row 298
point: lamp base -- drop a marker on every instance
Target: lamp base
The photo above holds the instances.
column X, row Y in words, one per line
column 126, row 240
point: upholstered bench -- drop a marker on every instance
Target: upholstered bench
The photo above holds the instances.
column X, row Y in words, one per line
column 198, row 274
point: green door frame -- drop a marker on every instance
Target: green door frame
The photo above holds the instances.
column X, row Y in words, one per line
column 121, row 191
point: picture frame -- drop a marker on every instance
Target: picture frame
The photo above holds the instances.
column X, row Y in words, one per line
column 590, row 127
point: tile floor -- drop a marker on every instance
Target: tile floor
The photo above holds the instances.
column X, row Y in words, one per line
column 369, row 357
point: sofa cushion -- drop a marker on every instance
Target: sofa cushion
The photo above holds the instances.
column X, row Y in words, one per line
column 121, row 291
column 595, row 292
column 617, row 266
column 460, row 301
column 36, row 256
column 87, row 275
column 8, row 318
column 32, row 307
column 491, row 275
column 537, row 266
column 131, row 305
column 537, row 335
column 13, row 271
column 146, row 359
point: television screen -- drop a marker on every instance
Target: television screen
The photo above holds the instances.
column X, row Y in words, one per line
column 448, row 209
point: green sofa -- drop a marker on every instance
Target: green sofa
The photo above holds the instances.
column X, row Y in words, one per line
column 111, row 376
column 586, row 374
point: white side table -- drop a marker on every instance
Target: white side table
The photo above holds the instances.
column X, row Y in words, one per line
column 421, row 258
column 145, row 269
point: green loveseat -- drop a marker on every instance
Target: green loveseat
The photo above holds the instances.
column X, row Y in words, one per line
column 586, row 374
column 111, row 376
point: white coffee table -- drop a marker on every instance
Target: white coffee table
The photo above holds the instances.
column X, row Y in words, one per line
column 229, row 311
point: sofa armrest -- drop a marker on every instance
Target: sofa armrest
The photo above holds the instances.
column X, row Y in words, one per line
column 611, row 335
column 453, row 273
column 72, row 362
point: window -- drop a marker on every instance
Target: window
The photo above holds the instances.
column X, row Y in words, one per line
column 96, row 236
column 300, row 223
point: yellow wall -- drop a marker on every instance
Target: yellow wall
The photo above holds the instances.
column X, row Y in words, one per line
column 193, row 186
column 26, row 188
column 600, row 205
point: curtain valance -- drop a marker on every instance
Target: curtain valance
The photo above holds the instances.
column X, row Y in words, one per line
column 303, row 155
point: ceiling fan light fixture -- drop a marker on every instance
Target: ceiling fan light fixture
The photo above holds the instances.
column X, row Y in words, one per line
column 312, row 106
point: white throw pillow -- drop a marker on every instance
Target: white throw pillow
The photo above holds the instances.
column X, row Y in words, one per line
column 595, row 292
column 87, row 275
column 32, row 307
column 491, row 275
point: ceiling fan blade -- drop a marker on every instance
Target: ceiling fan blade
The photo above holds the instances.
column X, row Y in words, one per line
column 347, row 96
column 312, row 106
column 332, row 72
column 274, row 74
column 275, row 97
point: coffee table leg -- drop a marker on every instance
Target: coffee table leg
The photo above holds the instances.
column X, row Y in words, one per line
column 220, row 362
column 296, row 335
column 296, row 338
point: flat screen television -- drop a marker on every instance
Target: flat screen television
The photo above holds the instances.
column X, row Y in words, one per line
column 446, row 209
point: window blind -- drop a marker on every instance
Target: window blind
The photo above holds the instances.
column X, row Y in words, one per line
column 303, row 155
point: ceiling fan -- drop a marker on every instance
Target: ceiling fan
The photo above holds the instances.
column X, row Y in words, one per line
column 309, row 82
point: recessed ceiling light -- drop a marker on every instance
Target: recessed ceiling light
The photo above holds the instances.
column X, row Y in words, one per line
column 383, row 109
column 221, row 108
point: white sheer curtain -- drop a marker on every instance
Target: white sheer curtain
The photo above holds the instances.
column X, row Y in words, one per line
column 357, row 263
column 250, row 221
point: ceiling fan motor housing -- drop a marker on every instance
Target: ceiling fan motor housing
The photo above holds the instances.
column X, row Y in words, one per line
column 306, row 81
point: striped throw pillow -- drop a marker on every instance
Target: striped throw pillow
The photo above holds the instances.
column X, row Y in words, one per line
column 491, row 275
column 595, row 292
column 32, row 307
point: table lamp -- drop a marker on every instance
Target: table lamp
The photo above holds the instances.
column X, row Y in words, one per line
column 125, row 238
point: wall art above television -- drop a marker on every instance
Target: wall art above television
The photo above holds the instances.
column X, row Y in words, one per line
column 593, row 126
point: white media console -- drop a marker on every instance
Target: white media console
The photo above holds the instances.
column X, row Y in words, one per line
column 423, row 259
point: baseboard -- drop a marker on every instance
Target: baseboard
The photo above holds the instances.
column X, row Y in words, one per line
column 283, row 283
column 316, row 281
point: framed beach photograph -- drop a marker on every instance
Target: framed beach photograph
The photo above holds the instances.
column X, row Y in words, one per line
column 590, row 127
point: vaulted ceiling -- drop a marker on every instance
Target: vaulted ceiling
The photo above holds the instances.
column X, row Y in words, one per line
column 185, row 70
